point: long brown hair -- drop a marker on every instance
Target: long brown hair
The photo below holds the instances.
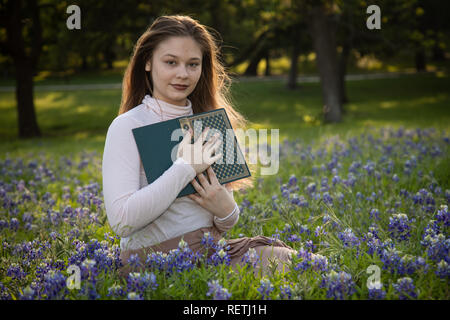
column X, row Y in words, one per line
column 213, row 88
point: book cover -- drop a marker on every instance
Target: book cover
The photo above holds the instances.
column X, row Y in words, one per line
column 158, row 142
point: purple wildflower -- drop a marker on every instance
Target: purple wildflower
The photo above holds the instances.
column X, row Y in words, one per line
column 285, row 292
column 377, row 293
column 443, row 269
column 139, row 283
column 265, row 289
column 217, row 291
column 348, row 238
column 399, row 226
column 339, row 285
column 251, row 258
column 405, row 288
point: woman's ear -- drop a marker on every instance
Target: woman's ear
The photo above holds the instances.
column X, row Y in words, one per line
column 148, row 66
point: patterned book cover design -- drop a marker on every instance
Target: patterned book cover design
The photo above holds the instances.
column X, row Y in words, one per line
column 233, row 164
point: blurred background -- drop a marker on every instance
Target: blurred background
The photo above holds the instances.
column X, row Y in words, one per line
column 287, row 59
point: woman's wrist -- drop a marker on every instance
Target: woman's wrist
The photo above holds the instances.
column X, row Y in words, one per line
column 236, row 208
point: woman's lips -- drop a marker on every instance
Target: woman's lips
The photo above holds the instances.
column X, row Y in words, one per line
column 181, row 88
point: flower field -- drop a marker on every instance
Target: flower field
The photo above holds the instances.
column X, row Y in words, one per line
column 367, row 214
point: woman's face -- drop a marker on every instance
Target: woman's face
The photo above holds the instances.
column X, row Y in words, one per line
column 175, row 61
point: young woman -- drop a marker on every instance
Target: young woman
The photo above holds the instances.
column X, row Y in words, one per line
column 174, row 72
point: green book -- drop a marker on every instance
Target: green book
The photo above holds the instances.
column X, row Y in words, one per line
column 157, row 146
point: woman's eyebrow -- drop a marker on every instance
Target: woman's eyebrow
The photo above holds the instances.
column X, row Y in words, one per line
column 193, row 58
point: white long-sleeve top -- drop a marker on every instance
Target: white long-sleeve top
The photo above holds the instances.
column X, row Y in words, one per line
column 145, row 214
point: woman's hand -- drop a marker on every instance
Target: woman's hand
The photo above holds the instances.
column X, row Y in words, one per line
column 212, row 195
column 199, row 156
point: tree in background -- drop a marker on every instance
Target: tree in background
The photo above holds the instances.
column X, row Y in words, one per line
column 22, row 39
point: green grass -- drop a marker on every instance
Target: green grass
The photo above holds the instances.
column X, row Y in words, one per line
column 77, row 120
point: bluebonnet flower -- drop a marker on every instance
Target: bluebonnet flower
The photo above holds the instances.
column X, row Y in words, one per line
column 405, row 288
column 311, row 188
column 339, row 285
column 28, row 294
column 309, row 244
column 402, row 265
column 369, row 167
column 14, row 224
column 399, row 226
column 285, row 192
column 139, row 283
column 348, row 238
column 89, row 270
column 285, row 292
column 42, row 269
column 15, row 272
column 251, row 258
column 319, row 231
column 377, row 293
column 115, row 291
column 395, row 178
column 293, row 238
column 220, row 257
column 208, row 241
column 336, row 179
column 375, row 214
column 156, row 260
column 305, row 229
column 134, row 261
column 354, row 167
column 3, row 224
column 327, row 198
column 4, row 294
column 54, row 285
column 443, row 269
column 359, row 195
column 309, row 260
column 265, row 288
column 217, row 292
column 324, row 184
column 292, row 180
column 443, row 215
column 134, row 296
column 176, row 260
column 437, row 247
column 409, row 264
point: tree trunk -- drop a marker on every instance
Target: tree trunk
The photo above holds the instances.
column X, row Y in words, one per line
column 292, row 80
column 325, row 46
column 343, row 60
column 26, row 115
column 438, row 53
column 252, row 68
column 420, row 60
column 267, row 72
column 25, row 61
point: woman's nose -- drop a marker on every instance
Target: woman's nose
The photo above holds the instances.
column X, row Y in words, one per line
column 182, row 72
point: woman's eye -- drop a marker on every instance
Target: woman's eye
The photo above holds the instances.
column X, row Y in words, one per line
column 174, row 62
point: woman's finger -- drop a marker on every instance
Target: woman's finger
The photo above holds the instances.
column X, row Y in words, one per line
column 195, row 197
column 215, row 158
column 203, row 180
column 198, row 187
column 212, row 176
column 214, row 146
column 203, row 136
